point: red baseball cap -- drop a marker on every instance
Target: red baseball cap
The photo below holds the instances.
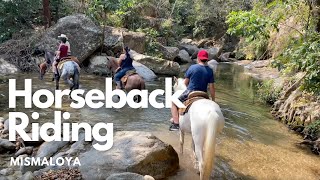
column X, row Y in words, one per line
column 203, row 55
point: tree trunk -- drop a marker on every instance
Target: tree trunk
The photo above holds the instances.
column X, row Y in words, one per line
column 317, row 14
column 46, row 12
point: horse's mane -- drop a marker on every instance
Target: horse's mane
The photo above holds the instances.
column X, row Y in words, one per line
column 113, row 63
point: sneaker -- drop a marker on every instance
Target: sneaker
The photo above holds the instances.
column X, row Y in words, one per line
column 174, row 127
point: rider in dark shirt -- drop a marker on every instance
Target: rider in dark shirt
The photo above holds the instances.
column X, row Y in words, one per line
column 125, row 64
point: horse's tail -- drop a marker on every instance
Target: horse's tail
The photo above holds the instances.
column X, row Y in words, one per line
column 209, row 147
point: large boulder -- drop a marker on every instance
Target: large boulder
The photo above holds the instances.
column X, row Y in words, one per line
column 84, row 36
column 168, row 52
column 136, row 152
column 48, row 149
column 134, row 40
column 98, row 65
column 213, row 64
column 6, row 145
column 214, row 53
column 157, row 65
column 146, row 73
column 7, row 68
column 191, row 49
column 183, row 57
column 126, row 176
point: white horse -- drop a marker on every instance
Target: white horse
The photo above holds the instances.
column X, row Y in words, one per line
column 204, row 121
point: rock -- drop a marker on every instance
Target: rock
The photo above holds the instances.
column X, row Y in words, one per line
column 31, row 168
column 7, row 68
column 168, row 52
column 34, row 143
column 7, row 145
column 125, row 176
column 214, row 53
column 98, row 65
column 202, row 43
column 147, row 177
column 213, row 64
column 157, row 65
column 25, row 150
column 78, row 146
column 7, row 172
column 27, row 176
column 3, row 178
column 261, row 64
column 191, row 49
column 134, row 40
column 183, row 57
column 6, row 123
column 48, row 149
column 84, row 36
column 1, row 125
column 186, row 41
column 185, row 67
column 225, row 57
column 136, row 152
column 146, row 73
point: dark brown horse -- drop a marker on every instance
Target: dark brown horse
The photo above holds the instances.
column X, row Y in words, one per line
column 134, row 81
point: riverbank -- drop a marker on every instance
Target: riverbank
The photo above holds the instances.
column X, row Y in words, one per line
column 300, row 111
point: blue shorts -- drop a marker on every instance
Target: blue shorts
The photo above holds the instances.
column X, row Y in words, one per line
column 121, row 73
column 184, row 96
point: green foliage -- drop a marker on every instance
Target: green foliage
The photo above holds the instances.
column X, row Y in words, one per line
column 204, row 18
column 301, row 50
column 19, row 16
column 313, row 130
column 304, row 55
column 98, row 9
column 267, row 92
column 15, row 16
column 255, row 28
column 248, row 24
column 152, row 45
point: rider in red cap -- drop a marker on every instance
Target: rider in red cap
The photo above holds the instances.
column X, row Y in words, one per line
column 197, row 78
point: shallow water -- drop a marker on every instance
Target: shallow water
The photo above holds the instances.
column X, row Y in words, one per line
column 252, row 145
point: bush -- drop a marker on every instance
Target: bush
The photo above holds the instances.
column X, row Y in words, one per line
column 267, row 92
column 303, row 55
column 313, row 130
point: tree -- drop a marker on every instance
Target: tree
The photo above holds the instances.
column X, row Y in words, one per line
column 317, row 14
column 99, row 9
column 46, row 12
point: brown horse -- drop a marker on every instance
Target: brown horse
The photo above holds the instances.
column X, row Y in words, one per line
column 134, row 81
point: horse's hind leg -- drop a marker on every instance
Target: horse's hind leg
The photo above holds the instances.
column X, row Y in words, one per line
column 76, row 78
column 193, row 150
column 66, row 79
column 57, row 78
column 198, row 149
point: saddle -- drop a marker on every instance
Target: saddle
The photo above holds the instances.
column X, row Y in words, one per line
column 66, row 59
column 125, row 77
column 192, row 97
